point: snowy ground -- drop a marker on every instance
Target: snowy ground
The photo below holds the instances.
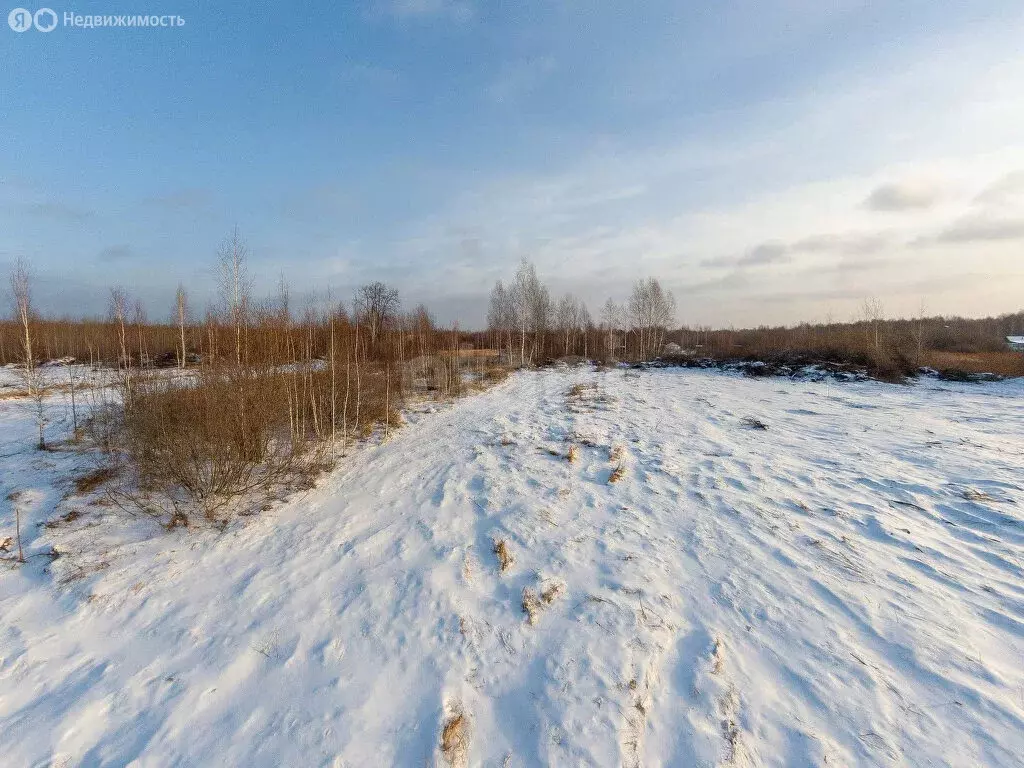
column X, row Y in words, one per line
column 843, row 588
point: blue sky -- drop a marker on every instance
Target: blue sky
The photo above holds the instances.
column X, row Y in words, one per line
column 770, row 162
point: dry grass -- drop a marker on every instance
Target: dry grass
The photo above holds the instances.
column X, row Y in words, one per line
column 471, row 353
column 717, row 657
column 90, row 481
column 70, row 517
column 577, row 391
column 573, row 454
column 617, row 474
column 531, row 606
column 455, row 738
column 617, row 453
column 505, row 558
column 534, row 605
column 552, row 592
column 999, row 363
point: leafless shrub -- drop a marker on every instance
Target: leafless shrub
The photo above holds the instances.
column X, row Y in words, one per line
column 224, row 435
column 751, row 423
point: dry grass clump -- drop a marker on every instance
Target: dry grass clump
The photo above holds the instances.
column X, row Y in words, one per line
column 751, row 423
column 552, row 592
column 531, row 606
column 534, row 605
column 617, row 474
column 90, row 481
column 70, row 517
column 573, row 454
column 578, row 391
column 505, row 558
column 617, row 452
column 455, row 738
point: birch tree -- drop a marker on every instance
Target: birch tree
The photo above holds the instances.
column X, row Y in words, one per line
column 21, row 288
column 235, row 285
column 181, row 316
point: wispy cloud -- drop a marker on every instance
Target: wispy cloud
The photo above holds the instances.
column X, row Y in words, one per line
column 54, row 211
column 406, row 10
column 777, row 252
column 904, row 196
column 117, row 253
column 1007, row 190
column 977, row 230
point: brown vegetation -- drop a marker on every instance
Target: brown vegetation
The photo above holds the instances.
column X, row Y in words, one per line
column 262, row 399
column 90, row 481
column 455, row 739
column 999, row 363
column 505, row 558
column 531, row 606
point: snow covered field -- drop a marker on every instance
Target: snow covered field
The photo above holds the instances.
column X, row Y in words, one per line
column 843, row 588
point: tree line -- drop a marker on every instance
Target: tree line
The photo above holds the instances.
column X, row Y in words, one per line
column 529, row 326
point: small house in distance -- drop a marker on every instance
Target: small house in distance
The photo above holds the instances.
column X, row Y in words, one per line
column 1016, row 343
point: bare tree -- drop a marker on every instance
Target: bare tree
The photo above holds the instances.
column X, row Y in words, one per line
column 532, row 306
column 873, row 312
column 139, row 318
column 376, row 304
column 612, row 317
column 567, row 320
column 181, row 316
column 919, row 332
column 119, row 315
column 21, row 288
column 586, row 323
column 651, row 312
column 235, row 285
column 501, row 316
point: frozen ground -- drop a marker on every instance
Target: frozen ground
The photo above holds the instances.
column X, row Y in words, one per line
column 843, row 588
